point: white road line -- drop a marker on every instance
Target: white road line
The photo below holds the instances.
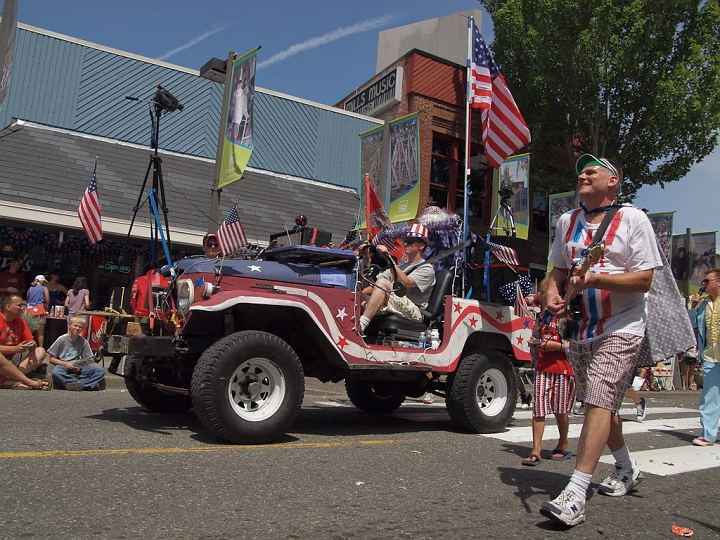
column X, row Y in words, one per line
column 527, row 414
column 524, row 434
column 674, row 460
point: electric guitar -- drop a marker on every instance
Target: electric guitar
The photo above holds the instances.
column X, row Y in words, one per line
column 573, row 297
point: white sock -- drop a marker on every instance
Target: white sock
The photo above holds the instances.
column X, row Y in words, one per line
column 622, row 458
column 579, row 484
column 364, row 321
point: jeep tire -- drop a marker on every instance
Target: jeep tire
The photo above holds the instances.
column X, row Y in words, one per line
column 148, row 396
column 482, row 393
column 373, row 396
column 247, row 388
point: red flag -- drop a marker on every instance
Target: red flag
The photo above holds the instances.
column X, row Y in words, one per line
column 89, row 211
column 377, row 221
column 231, row 235
column 504, row 130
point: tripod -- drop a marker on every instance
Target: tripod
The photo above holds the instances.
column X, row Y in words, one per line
column 504, row 211
column 161, row 102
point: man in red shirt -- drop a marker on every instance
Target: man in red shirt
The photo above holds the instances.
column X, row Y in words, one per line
column 12, row 281
column 17, row 344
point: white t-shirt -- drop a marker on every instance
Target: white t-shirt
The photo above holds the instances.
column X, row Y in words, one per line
column 630, row 246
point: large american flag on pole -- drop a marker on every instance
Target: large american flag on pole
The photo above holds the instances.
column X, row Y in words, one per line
column 89, row 211
column 504, row 130
column 231, row 235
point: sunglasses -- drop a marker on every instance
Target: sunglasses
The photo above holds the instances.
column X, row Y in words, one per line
column 411, row 241
column 211, row 245
column 709, row 280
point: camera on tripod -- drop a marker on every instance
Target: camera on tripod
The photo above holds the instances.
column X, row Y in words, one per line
column 506, row 191
column 165, row 101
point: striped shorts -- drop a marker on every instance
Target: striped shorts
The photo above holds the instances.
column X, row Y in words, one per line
column 602, row 368
column 553, row 393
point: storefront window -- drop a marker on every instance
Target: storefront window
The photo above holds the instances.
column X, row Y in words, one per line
column 448, row 176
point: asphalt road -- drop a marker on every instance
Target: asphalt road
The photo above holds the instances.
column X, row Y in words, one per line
column 96, row 465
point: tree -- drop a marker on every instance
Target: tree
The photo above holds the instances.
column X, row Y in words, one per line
column 636, row 81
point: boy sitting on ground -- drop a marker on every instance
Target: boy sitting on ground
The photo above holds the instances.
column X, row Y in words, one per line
column 73, row 360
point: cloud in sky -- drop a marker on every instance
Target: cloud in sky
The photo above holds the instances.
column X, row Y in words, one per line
column 362, row 26
column 192, row 42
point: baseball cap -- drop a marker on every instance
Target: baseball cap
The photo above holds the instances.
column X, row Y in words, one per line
column 40, row 277
column 587, row 160
column 209, row 236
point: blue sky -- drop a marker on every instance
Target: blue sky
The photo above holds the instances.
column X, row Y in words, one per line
column 319, row 50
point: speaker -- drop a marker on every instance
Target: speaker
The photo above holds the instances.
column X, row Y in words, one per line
column 500, row 274
column 302, row 236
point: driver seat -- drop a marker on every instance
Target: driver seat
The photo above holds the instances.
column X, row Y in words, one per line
column 389, row 324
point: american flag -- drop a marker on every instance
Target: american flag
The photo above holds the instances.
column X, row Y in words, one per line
column 89, row 211
column 349, row 240
column 504, row 130
column 503, row 253
column 384, row 237
column 231, row 235
column 521, row 307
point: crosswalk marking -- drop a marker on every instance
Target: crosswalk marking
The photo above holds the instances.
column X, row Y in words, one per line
column 524, row 434
column 527, row 414
column 674, row 460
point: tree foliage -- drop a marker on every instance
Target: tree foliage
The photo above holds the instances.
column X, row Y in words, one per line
column 636, row 81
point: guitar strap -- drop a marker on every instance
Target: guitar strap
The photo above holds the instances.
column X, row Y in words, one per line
column 604, row 224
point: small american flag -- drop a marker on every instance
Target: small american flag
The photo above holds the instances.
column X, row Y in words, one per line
column 231, row 235
column 350, row 238
column 521, row 307
column 503, row 253
column 384, row 238
column 504, row 130
column 89, row 211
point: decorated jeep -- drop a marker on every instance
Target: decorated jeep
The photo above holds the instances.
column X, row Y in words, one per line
column 234, row 339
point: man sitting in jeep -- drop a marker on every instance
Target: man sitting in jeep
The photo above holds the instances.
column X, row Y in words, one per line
column 419, row 285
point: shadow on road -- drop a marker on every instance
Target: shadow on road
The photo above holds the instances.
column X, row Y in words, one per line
column 162, row 424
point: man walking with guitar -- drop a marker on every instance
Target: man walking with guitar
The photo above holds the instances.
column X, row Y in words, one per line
column 606, row 253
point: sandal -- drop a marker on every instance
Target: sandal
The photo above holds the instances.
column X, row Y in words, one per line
column 43, row 384
column 538, row 460
column 562, row 455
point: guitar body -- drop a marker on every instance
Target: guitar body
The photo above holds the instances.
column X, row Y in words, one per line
column 573, row 297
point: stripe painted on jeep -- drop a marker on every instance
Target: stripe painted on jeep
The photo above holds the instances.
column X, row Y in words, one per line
column 203, row 449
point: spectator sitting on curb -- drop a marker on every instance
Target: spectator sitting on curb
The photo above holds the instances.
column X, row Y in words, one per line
column 9, row 371
column 73, row 360
column 16, row 341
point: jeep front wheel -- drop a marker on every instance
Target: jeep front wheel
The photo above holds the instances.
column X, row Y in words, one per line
column 248, row 387
column 373, row 397
column 483, row 392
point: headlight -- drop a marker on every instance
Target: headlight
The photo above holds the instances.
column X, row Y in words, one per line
column 185, row 295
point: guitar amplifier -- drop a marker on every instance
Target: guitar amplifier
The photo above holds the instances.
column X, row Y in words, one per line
column 301, row 236
column 500, row 274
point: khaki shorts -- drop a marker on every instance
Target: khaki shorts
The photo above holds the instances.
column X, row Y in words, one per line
column 400, row 305
column 602, row 368
column 19, row 357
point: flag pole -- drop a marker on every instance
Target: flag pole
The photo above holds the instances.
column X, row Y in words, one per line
column 468, row 142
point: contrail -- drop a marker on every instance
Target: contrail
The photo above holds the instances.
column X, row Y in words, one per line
column 192, row 42
column 311, row 43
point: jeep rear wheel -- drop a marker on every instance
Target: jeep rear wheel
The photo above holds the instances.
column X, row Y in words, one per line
column 248, row 387
column 150, row 397
column 483, row 392
column 373, row 397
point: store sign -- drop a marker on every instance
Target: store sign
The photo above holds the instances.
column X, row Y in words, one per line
column 383, row 93
column 112, row 268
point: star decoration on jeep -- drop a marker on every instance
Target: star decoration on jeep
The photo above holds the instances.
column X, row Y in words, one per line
column 473, row 321
column 499, row 316
column 342, row 342
column 341, row 314
column 199, row 282
column 520, row 340
column 526, row 323
column 458, row 308
column 254, row 268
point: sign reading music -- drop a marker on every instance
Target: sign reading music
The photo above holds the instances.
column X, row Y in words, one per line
column 382, row 93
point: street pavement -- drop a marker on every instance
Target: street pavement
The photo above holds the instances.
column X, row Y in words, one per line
column 97, row 465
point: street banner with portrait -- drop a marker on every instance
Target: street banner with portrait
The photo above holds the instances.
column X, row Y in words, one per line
column 662, row 224
column 701, row 255
column 404, row 165
column 515, row 172
column 237, row 122
column 7, row 46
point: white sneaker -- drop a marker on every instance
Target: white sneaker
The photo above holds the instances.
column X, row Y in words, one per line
column 641, row 410
column 621, row 481
column 429, row 398
column 566, row 508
